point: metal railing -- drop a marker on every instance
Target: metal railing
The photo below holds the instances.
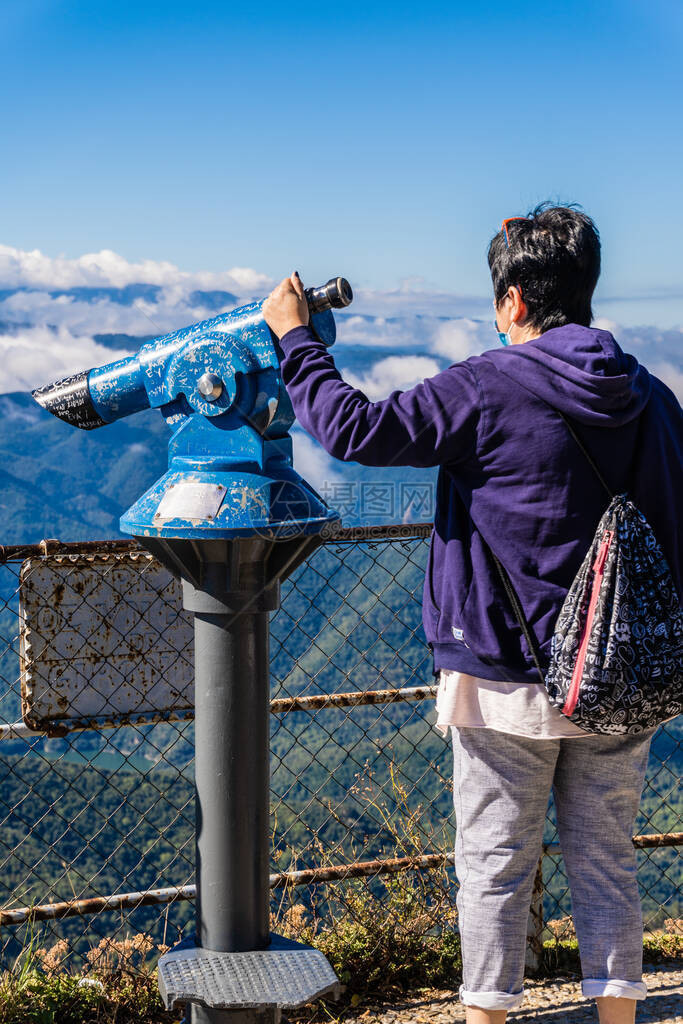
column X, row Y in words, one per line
column 97, row 805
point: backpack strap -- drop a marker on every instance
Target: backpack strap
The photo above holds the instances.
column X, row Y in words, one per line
column 519, row 614
column 516, row 604
column 505, row 579
column 589, row 458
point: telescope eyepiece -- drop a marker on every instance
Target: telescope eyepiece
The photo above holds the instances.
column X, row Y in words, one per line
column 336, row 294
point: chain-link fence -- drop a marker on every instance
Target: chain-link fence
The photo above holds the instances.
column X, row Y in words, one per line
column 96, row 750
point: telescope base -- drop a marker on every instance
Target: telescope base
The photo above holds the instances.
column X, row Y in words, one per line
column 260, row 982
column 200, row 1015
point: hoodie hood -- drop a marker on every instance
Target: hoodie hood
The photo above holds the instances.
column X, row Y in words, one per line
column 581, row 371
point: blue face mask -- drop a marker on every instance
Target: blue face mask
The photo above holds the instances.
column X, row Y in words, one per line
column 503, row 336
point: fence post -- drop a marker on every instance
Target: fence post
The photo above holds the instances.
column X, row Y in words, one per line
column 534, row 949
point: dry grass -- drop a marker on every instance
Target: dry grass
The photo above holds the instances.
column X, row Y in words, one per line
column 383, row 936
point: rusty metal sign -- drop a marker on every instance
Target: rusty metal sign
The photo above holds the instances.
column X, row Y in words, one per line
column 104, row 641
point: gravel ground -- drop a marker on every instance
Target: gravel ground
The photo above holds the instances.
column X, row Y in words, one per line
column 555, row 1001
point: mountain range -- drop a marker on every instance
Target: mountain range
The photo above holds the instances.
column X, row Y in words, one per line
column 59, row 316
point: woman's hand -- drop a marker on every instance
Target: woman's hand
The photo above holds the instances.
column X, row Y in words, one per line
column 286, row 306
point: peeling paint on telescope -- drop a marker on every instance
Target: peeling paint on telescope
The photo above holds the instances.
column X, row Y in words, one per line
column 219, row 387
column 229, row 493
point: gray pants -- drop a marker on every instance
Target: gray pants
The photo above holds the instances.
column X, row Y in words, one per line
column 501, row 787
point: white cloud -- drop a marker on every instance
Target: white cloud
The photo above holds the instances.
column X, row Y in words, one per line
column 453, row 338
column 107, row 269
column 672, row 377
column 459, row 339
column 104, row 316
column 37, row 355
column 413, row 301
column 394, row 372
column 314, row 464
column 9, row 411
column 380, row 332
column 605, row 324
column 175, row 305
column 418, row 331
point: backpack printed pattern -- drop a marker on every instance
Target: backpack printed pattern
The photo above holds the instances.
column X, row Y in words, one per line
column 616, row 661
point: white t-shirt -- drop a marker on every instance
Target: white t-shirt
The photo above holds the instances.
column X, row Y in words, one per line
column 522, row 709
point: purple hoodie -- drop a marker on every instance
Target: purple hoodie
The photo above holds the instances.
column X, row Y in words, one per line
column 510, row 474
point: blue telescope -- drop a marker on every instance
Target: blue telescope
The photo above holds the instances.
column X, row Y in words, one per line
column 218, row 385
column 232, row 519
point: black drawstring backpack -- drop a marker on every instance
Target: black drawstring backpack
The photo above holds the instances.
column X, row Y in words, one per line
column 616, row 662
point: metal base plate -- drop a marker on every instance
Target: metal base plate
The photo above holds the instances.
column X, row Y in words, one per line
column 286, row 975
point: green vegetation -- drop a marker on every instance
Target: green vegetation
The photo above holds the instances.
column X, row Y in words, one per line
column 377, row 957
column 395, row 932
column 384, row 937
column 72, row 831
column 347, row 784
column 119, row 989
column 561, row 956
column 65, row 999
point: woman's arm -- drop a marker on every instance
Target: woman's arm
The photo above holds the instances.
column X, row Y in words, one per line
column 431, row 424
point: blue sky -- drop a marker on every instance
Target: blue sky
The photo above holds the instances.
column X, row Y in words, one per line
column 382, row 141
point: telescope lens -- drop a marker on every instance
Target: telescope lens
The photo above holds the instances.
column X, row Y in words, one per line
column 343, row 295
column 69, row 400
column 336, row 294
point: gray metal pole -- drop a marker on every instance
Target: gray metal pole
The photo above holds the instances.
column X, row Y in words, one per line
column 232, row 775
column 232, row 781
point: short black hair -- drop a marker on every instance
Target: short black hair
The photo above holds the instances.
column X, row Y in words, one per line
column 554, row 258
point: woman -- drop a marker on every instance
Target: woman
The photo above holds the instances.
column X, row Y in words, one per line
column 513, row 482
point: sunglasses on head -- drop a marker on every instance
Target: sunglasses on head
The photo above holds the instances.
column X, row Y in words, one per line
column 504, row 228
